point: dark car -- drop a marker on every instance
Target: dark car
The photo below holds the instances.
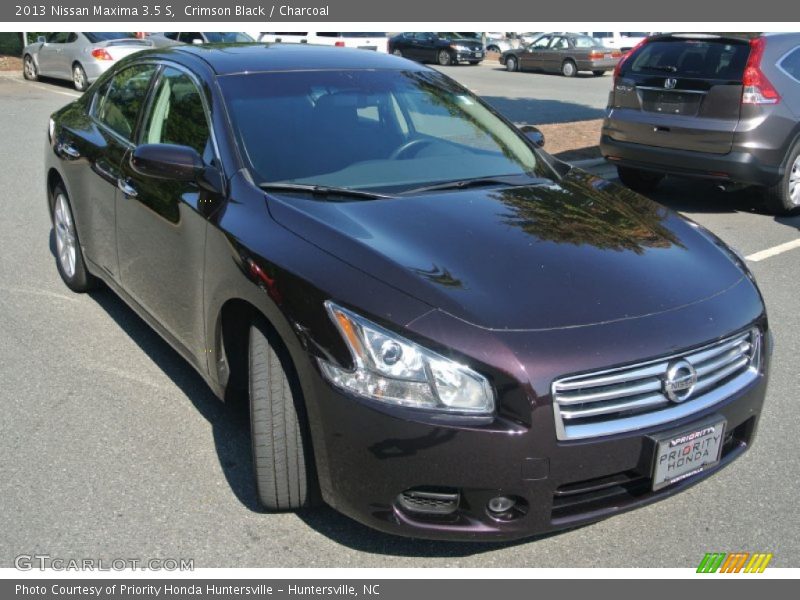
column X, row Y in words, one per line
column 443, row 48
column 441, row 330
column 564, row 53
column 719, row 107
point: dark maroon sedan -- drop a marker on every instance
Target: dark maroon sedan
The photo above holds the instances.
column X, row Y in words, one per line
column 441, row 330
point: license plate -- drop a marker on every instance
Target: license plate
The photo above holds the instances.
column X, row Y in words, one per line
column 686, row 453
column 477, row 54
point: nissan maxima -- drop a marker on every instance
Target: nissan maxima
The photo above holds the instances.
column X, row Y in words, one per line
column 441, row 330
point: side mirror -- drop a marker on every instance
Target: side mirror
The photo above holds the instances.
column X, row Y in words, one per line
column 534, row 134
column 41, row 40
column 167, row 161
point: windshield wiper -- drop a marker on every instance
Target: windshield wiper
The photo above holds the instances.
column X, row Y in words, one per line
column 321, row 190
column 667, row 68
column 477, row 182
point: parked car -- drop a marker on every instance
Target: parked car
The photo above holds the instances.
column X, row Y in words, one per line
column 499, row 42
column 79, row 57
column 172, row 38
column 443, row 48
column 622, row 40
column 439, row 328
column 719, row 107
column 365, row 40
column 566, row 53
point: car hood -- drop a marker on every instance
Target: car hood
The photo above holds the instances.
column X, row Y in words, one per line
column 576, row 252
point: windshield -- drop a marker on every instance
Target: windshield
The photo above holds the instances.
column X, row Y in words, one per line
column 107, row 36
column 584, row 41
column 228, row 37
column 383, row 131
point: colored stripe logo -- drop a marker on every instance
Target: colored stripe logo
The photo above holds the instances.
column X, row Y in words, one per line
column 735, row 562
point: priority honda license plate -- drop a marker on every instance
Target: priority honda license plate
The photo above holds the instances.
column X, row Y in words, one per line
column 686, row 453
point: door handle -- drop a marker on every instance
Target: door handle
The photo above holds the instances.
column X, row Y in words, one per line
column 126, row 188
column 69, row 150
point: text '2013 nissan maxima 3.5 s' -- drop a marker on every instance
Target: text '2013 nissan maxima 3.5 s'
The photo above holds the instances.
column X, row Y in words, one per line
column 441, row 330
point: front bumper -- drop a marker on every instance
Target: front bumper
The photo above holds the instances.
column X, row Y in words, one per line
column 469, row 55
column 372, row 454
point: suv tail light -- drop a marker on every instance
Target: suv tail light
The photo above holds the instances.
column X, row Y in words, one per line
column 757, row 88
column 627, row 56
column 101, row 54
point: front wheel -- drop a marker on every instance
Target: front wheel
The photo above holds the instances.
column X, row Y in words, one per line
column 79, row 78
column 511, row 64
column 638, row 180
column 444, row 58
column 783, row 198
column 69, row 256
column 281, row 450
column 29, row 70
column 568, row 69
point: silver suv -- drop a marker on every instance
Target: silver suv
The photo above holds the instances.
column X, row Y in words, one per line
column 721, row 107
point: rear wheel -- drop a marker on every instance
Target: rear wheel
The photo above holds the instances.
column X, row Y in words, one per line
column 79, row 78
column 444, row 58
column 69, row 256
column 493, row 48
column 783, row 198
column 511, row 64
column 29, row 70
column 638, row 180
column 281, row 453
column 568, row 68
column 598, row 73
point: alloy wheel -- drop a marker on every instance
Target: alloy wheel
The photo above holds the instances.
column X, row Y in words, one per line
column 511, row 64
column 794, row 183
column 65, row 236
column 79, row 78
column 29, row 69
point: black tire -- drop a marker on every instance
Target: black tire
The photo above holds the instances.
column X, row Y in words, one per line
column 73, row 272
column 444, row 58
column 598, row 73
column 29, row 70
column 638, row 180
column 79, row 79
column 511, row 64
column 281, row 453
column 493, row 48
column 783, row 198
column 569, row 68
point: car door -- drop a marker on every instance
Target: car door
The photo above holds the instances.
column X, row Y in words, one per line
column 62, row 63
column 533, row 57
column 91, row 149
column 161, row 223
column 50, row 53
column 553, row 55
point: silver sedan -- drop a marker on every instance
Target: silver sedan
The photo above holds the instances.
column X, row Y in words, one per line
column 78, row 57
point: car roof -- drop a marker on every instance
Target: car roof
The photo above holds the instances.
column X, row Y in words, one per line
column 228, row 59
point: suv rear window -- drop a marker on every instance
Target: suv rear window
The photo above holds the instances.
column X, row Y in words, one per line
column 791, row 64
column 696, row 59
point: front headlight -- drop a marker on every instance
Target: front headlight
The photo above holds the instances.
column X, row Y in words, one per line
column 392, row 369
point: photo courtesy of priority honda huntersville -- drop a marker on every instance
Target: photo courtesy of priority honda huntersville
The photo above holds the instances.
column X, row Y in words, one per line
column 442, row 331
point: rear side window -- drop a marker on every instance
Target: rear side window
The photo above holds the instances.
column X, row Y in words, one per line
column 695, row 59
column 122, row 97
column 791, row 64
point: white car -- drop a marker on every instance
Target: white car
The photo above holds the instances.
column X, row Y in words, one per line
column 378, row 41
column 497, row 41
column 622, row 40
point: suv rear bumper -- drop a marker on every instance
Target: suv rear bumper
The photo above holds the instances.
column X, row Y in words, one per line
column 737, row 166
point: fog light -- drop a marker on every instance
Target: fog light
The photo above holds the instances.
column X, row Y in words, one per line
column 501, row 504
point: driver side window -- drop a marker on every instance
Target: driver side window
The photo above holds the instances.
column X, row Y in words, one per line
column 541, row 42
column 177, row 115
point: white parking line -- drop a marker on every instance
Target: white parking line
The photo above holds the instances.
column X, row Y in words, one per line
column 40, row 86
column 775, row 250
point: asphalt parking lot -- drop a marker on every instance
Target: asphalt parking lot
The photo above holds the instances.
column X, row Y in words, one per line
column 113, row 447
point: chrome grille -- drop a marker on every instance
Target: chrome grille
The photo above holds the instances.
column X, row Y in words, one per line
column 634, row 397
